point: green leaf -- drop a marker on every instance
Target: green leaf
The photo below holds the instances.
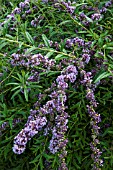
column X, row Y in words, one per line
column 29, row 37
column 20, row 77
column 48, row 156
column 100, row 42
column 60, row 57
column 110, row 132
column 5, row 111
column 10, row 37
column 49, row 54
column 18, row 91
column 65, row 22
column 35, row 86
column 6, row 151
column 45, row 40
column 41, row 164
column 82, row 32
column 23, row 73
column 107, row 131
column 80, row 4
column 110, row 57
column 108, row 46
column 15, row 78
column 30, row 50
column 3, row 45
column 26, row 94
column 10, row 123
column 54, row 161
column 53, row 73
column 93, row 34
column 20, row 44
column 36, row 159
column 64, row 51
column 103, row 75
column 11, row 84
column 15, row 88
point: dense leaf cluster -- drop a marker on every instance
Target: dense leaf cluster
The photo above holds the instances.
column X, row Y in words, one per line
column 56, row 85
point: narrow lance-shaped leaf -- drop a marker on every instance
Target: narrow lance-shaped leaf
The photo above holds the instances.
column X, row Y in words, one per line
column 103, row 75
column 45, row 40
column 26, row 94
column 29, row 37
column 49, row 54
column 18, row 91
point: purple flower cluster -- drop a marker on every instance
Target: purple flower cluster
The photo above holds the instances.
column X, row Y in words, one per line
column 108, row 4
column 84, row 20
column 36, row 21
column 11, row 17
column 58, row 142
column 87, row 78
column 17, row 10
column 95, row 118
column 58, row 97
column 35, row 123
column 96, row 16
column 103, row 10
column 52, row 44
column 89, row 8
column 24, row 4
column 69, row 8
column 96, row 157
column 75, row 41
column 4, row 125
column 86, row 57
column 31, row 61
column 32, row 127
column 38, row 59
column 82, row 16
column 67, row 5
column 61, row 82
column 70, row 74
column 85, row 46
column 20, row 60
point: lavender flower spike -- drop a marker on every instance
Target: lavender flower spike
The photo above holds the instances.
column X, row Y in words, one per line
column 33, row 125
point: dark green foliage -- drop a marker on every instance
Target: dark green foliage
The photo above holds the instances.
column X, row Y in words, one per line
column 16, row 100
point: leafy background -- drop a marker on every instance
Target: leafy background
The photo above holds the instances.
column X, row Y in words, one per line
column 55, row 25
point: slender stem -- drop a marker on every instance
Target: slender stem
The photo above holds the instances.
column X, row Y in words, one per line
column 7, row 76
column 38, row 48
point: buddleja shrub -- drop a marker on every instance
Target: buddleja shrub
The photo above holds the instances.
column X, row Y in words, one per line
column 56, row 85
